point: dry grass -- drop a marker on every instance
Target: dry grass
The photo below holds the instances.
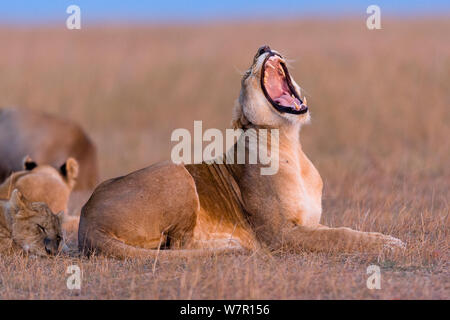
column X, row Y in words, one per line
column 379, row 137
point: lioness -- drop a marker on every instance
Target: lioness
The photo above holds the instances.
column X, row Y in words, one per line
column 48, row 140
column 44, row 183
column 226, row 205
column 30, row 226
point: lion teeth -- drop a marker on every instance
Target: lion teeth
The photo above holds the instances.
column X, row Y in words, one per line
column 304, row 101
column 297, row 107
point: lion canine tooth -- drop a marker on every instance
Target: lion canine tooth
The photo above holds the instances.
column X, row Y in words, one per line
column 304, row 101
column 297, row 107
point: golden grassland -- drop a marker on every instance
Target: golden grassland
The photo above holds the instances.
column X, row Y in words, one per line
column 379, row 137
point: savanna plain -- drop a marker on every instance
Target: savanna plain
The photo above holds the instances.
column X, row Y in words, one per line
column 379, row 137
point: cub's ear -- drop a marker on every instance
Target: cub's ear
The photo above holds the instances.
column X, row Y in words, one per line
column 69, row 170
column 17, row 200
column 60, row 216
column 28, row 163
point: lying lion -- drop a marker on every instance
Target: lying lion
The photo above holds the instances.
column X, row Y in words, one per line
column 219, row 206
column 29, row 226
column 44, row 183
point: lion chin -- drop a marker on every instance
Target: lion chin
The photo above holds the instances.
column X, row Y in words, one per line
column 169, row 209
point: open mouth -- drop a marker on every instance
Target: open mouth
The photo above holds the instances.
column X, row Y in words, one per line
column 277, row 87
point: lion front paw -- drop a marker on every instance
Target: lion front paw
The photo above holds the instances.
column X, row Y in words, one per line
column 382, row 241
column 393, row 243
column 388, row 242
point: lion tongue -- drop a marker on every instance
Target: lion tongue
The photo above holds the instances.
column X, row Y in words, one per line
column 286, row 100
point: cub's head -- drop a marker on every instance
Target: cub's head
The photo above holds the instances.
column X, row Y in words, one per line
column 44, row 183
column 269, row 95
column 34, row 227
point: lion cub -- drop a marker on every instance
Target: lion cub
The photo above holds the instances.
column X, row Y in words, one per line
column 44, row 183
column 30, row 226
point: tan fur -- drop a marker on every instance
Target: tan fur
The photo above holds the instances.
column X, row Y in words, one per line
column 222, row 205
column 48, row 140
column 29, row 226
column 147, row 209
column 45, row 184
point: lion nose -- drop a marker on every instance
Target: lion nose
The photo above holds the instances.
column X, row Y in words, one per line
column 50, row 247
column 263, row 50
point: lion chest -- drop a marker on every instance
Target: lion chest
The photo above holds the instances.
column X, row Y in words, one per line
column 300, row 189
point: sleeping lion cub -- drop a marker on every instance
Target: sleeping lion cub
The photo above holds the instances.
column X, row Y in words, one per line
column 30, row 226
column 44, row 183
column 226, row 205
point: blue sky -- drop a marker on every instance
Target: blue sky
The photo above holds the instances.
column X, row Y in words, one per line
column 47, row 11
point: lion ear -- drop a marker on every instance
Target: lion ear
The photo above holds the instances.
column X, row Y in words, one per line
column 60, row 215
column 28, row 163
column 69, row 170
column 17, row 200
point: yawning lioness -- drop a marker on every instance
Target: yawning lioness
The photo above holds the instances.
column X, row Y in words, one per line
column 226, row 205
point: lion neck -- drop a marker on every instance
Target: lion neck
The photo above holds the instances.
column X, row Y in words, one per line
column 235, row 175
column 288, row 141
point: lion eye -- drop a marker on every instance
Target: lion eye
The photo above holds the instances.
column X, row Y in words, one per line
column 41, row 228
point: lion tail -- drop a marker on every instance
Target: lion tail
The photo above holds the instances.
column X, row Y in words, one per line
column 112, row 247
